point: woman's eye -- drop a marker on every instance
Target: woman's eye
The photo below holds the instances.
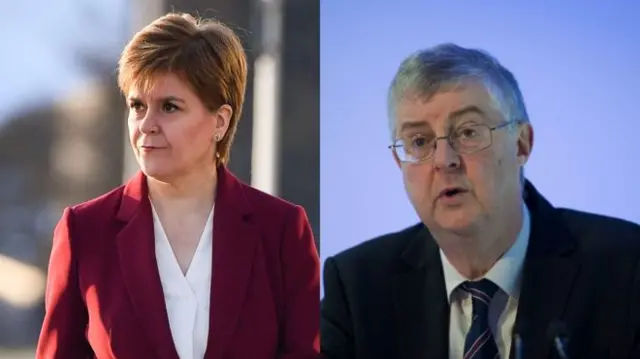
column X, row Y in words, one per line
column 169, row 107
column 136, row 106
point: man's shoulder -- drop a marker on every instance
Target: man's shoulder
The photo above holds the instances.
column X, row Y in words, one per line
column 597, row 231
column 379, row 250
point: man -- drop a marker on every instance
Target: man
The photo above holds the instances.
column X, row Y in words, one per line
column 492, row 259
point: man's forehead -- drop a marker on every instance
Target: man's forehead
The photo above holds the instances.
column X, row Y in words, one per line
column 445, row 105
column 449, row 98
column 450, row 115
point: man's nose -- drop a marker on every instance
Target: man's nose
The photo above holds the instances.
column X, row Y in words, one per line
column 444, row 156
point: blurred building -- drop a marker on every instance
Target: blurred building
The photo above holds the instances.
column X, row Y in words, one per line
column 62, row 138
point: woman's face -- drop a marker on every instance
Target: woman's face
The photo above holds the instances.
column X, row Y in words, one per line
column 171, row 131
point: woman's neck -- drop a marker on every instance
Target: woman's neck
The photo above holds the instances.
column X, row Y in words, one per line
column 192, row 192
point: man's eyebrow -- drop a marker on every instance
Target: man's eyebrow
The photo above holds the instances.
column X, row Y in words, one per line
column 453, row 116
column 466, row 110
column 409, row 124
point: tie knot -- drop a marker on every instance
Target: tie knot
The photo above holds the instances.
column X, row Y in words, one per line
column 481, row 291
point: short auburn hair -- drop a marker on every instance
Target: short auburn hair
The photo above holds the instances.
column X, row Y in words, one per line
column 204, row 53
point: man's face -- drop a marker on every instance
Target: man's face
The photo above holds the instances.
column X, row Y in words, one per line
column 486, row 182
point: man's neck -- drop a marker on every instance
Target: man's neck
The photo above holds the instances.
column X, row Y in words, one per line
column 474, row 254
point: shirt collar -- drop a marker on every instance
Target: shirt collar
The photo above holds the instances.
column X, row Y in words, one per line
column 506, row 273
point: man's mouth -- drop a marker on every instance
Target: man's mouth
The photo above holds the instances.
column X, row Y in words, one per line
column 452, row 192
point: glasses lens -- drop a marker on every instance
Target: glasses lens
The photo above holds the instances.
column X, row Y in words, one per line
column 415, row 148
column 471, row 138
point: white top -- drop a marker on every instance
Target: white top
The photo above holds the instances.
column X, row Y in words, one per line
column 506, row 273
column 186, row 296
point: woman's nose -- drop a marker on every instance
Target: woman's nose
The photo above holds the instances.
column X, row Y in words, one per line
column 148, row 124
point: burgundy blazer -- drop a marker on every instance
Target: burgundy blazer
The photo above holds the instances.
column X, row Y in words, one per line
column 104, row 298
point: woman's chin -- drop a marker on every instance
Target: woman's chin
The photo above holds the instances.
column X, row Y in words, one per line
column 156, row 171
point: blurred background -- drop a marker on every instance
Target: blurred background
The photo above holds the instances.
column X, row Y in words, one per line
column 577, row 64
column 63, row 127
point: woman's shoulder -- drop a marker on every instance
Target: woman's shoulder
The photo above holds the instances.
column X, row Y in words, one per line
column 243, row 196
column 268, row 203
column 90, row 220
column 264, row 200
column 100, row 205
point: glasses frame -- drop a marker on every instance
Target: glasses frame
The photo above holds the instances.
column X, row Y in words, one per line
column 395, row 144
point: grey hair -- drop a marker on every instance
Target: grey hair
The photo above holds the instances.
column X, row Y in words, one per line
column 445, row 66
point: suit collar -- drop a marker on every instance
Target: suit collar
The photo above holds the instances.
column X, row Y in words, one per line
column 421, row 308
column 551, row 235
column 550, row 269
column 234, row 243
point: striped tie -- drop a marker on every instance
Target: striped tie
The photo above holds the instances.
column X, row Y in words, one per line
column 479, row 343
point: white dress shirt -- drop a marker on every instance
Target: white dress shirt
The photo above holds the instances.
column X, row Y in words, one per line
column 506, row 273
column 186, row 296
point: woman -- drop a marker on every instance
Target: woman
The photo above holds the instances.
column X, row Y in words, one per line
column 184, row 261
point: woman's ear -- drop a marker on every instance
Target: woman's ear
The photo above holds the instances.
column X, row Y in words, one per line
column 222, row 120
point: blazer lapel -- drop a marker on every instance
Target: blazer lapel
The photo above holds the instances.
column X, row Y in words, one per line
column 420, row 302
column 549, row 272
column 136, row 248
column 234, row 246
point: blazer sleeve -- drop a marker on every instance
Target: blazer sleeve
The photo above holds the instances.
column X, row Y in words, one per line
column 301, row 271
column 336, row 327
column 65, row 322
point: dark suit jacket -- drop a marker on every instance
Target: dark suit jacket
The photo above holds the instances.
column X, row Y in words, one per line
column 386, row 298
column 104, row 298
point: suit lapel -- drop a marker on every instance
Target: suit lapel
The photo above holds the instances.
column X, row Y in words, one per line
column 136, row 248
column 420, row 302
column 235, row 241
column 550, row 268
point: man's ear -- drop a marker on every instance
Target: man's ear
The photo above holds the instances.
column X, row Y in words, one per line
column 525, row 142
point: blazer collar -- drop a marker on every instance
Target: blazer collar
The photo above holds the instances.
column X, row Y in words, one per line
column 235, row 239
column 136, row 191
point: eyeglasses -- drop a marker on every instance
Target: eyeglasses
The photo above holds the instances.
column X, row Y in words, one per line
column 466, row 139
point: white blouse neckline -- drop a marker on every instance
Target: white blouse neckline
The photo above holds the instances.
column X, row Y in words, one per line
column 187, row 297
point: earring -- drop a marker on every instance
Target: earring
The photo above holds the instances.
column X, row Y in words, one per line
column 217, row 137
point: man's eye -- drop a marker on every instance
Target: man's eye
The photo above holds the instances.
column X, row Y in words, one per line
column 419, row 142
column 467, row 133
